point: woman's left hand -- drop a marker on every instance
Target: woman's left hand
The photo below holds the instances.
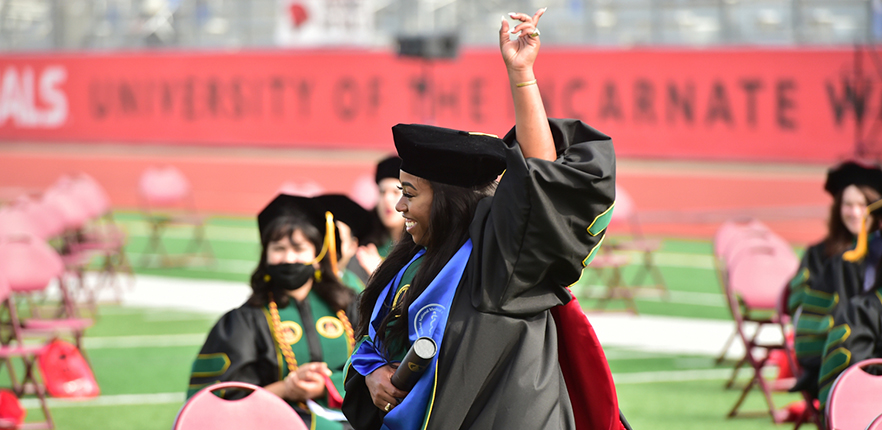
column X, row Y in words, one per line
column 520, row 54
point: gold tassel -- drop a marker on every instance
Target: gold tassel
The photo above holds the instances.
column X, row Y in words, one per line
column 329, row 240
column 860, row 249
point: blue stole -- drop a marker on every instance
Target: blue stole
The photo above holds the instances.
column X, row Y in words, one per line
column 426, row 316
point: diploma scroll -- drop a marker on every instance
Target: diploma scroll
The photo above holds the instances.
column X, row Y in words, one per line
column 415, row 363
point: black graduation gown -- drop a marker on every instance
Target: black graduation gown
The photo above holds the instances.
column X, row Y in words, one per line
column 839, row 281
column 498, row 367
column 240, row 347
column 856, row 335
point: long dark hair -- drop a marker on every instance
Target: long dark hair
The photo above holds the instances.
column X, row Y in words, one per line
column 839, row 238
column 449, row 218
column 329, row 289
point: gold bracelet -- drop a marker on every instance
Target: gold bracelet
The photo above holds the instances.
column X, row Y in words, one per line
column 524, row 84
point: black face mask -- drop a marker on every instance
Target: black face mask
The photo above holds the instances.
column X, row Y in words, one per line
column 289, row 276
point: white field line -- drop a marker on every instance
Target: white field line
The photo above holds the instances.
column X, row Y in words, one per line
column 114, row 400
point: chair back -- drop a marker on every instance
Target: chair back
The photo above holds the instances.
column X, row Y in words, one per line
column 60, row 196
column 163, row 186
column 46, row 218
column 759, row 274
column 856, row 398
column 15, row 221
column 28, row 263
column 732, row 231
column 259, row 410
column 90, row 194
column 876, row 424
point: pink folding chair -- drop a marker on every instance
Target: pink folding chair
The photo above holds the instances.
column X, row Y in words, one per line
column 625, row 218
column 855, row 400
column 167, row 200
column 100, row 238
column 726, row 240
column 753, row 289
column 608, row 267
column 29, row 265
column 259, row 410
column 28, row 355
column 876, row 424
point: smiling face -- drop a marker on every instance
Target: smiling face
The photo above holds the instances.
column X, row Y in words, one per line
column 294, row 249
column 415, row 206
column 852, row 209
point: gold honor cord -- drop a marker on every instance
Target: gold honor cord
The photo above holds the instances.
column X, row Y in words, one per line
column 860, row 249
column 277, row 334
column 347, row 327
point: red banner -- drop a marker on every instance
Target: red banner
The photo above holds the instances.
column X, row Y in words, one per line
column 791, row 105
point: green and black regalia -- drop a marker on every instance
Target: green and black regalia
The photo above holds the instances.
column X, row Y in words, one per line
column 242, row 347
column 498, row 367
column 856, row 335
column 810, row 303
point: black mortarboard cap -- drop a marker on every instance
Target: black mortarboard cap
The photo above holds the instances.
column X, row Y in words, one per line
column 388, row 168
column 449, row 156
column 288, row 205
column 348, row 212
column 853, row 173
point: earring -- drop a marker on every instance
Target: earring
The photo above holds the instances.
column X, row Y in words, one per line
column 318, row 275
column 266, row 278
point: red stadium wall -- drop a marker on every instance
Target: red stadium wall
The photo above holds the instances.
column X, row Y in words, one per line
column 786, row 105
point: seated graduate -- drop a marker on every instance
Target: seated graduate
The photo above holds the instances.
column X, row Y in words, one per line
column 293, row 335
column 855, row 332
column 852, row 185
column 483, row 271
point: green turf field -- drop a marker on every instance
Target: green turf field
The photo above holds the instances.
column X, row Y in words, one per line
column 141, row 357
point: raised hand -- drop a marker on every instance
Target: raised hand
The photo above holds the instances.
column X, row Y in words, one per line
column 520, row 54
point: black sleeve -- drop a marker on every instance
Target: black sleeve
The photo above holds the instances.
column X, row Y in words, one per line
column 855, row 336
column 358, row 406
column 230, row 353
column 545, row 222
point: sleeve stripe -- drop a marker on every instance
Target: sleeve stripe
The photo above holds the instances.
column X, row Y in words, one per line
column 601, row 221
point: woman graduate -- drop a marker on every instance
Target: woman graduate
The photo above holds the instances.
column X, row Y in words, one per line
column 855, row 323
column 484, row 274
column 293, row 335
column 852, row 185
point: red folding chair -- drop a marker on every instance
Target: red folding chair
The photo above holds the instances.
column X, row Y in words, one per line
column 753, row 287
column 625, row 219
column 28, row 355
column 855, row 401
column 259, row 410
column 167, row 200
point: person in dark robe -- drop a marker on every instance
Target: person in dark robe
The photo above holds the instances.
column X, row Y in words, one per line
column 852, row 185
column 856, row 336
column 388, row 225
column 293, row 336
column 483, row 271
